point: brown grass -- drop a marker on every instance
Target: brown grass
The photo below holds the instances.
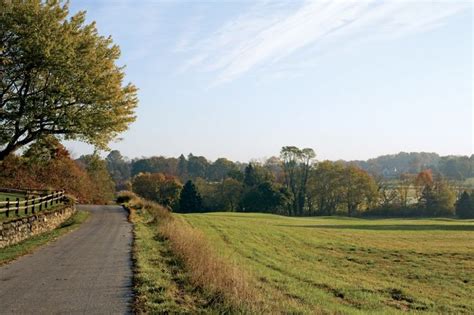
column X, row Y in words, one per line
column 222, row 282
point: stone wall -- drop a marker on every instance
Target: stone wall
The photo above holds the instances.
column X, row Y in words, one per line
column 17, row 230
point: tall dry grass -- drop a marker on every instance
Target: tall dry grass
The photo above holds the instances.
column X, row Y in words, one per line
column 221, row 281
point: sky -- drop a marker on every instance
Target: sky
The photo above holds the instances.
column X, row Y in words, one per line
column 241, row 79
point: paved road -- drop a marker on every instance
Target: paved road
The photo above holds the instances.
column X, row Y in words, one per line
column 85, row 272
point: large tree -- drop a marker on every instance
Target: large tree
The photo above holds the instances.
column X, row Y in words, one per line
column 164, row 189
column 326, row 187
column 190, row 200
column 359, row 189
column 297, row 164
column 465, row 206
column 58, row 76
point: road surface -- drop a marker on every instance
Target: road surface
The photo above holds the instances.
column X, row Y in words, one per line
column 87, row 271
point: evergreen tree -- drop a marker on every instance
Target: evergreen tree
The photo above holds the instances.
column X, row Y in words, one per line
column 465, row 206
column 190, row 200
column 264, row 197
column 428, row 200
column 250, row 178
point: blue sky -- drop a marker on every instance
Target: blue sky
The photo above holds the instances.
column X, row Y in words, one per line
column 241, row 79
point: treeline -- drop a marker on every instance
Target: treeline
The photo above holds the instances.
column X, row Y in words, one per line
column 393, row 166
column 291, row 184
column 46, row 164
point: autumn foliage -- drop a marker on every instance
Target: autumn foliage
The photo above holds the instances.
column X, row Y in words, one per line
column 48, row 165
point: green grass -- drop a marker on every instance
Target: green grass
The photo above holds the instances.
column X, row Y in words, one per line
column 12, row 252
column 21, row 213
column 161, row 283
column 347, row 265
column 11, row 196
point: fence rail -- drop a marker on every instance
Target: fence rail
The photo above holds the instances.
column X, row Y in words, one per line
column 33, row 203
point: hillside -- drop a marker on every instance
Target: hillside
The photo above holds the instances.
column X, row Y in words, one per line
column 393, row 165
column 350, row 265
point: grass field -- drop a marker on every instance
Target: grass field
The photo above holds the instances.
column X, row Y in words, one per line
column 320, row 265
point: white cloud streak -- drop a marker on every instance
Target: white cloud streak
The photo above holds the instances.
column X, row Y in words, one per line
column 269, row 33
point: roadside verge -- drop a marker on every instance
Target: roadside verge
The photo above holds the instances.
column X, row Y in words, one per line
column 176, row 270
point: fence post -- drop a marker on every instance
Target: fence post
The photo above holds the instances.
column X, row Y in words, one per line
column 57, row 200
column 52, row 199
column 17, row 206
column 33, row 205
column 40, row 205
column 46, row 203
column 7, row 213
column 26, row 205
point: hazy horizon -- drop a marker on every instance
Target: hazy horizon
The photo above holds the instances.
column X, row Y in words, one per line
column 353, row 80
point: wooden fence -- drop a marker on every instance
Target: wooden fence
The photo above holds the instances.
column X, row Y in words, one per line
column 31, row 204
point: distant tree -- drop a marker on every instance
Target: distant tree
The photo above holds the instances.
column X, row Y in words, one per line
column 58, row 77
column 325, row 187
column 119, row 169
column 438, row 199
column 255, row 174
column 297, row 164
column 403, row 188
column 237, row 175
column 182, row 167
column 359, row 188
column 97, row 170
column 231, row 191
column 190, row 200
column 465, row 206
column 445, row 199
column 274, row 165
column 427, row 199
column 250, row 176
column 220, row 169
column 197, row 166
column 457, row 167
column 423, row 180
column 155, row 164
column 164, row 189
column 264, row 197
column 387, row 194
column 392, row 166
column 212, row 198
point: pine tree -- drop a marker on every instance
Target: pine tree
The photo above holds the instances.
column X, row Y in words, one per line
column 428, row 200
column 465, row 206
column 250, row 179
column 190, row 200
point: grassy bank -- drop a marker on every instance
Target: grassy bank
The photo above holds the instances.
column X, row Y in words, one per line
column 12, row 252
column 345, row 265
column 177, row 270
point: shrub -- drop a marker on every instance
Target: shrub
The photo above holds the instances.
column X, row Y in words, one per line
column 125, row 196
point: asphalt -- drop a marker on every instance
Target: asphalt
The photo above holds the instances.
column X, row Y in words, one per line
column 87, row 271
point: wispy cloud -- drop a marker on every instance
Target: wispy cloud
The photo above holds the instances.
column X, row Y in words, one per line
column 271, row 32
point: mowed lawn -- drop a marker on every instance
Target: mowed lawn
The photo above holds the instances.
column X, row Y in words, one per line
column 320, row 265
